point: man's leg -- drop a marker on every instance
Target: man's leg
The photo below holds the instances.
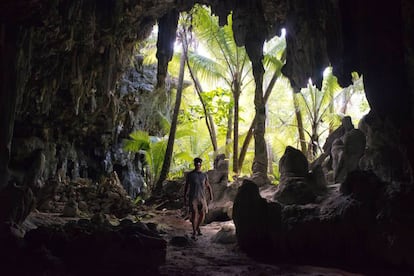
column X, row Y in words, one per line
column 194, row 218
column 201, row 217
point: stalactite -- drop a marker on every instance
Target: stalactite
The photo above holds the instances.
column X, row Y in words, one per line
column 165, row 44
column 23, row 64
column 306, row 32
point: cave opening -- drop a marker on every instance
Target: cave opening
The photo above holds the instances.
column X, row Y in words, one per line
column 344, row 202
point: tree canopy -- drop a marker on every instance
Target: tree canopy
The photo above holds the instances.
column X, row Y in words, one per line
column 216, row 113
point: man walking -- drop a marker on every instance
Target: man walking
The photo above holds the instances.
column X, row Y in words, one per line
column 194, row 195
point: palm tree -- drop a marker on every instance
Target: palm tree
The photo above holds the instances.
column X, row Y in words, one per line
column 207, row 115
column 274, row 59
column 228, row 65
column 299, row 121
column 182, row 36
column 154, row 150
column 318, row 106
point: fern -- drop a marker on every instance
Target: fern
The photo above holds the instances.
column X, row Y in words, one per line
column 139, row 140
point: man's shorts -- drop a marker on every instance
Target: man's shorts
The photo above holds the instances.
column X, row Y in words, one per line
column 199, row 205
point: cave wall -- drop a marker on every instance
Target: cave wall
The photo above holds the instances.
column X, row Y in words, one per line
column 378, row 46
column 67, row 67
column 62, row 96
column 73, row 52
column 61, row 60
column 69, row 56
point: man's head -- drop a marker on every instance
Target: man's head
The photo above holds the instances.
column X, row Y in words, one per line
column 197, row 162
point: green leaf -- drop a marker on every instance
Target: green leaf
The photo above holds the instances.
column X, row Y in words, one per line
column 139, row 141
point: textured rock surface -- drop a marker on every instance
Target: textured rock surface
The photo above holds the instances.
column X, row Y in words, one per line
column 85, row 247
column 60, row 62
column 355, row 226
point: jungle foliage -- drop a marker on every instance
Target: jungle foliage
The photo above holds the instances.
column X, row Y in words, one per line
column 216, row 113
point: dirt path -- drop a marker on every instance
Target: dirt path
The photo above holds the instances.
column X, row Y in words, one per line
column 206, row 257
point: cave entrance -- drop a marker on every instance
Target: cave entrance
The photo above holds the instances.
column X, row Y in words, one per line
column 217, row 111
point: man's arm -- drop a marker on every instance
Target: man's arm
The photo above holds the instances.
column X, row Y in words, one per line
column 186, row 189
column 208, row 186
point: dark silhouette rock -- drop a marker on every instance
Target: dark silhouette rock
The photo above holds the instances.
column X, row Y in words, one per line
column 251, row 218
column 293, row 163
column 297, row 185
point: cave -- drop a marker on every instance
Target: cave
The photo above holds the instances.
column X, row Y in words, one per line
column 60, row 116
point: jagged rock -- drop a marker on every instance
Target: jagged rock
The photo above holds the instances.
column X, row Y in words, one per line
column 71, row 209
column 250, row 217
column 293, row 163
column 46, row 195
column 107, row 197
column 221, row 163
column 220, row 209
column 83, row 206
column 82, row 248
column 383, row 155
column 70, row 54
column 99, row 219
column 295, row 191
column 351, row 229
column 362, row 185
column 297, row 185
column 181, row 241
column 343, row 150
column 226, row 235
column 173, row 189
column 346, row 153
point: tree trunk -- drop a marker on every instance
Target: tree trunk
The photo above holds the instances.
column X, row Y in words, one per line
column 270, row 156
column 170, row 145
column 254, row 48
column 260, row 152
column 209, row 119
column 249, row 134
column 236, row 96
column 331, row 106
column 299, row 121
column 344, row 100
column 229, row 131
column 313, row 143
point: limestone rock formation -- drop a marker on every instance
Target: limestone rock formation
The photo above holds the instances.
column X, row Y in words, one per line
column 347, row 230
column 59, row 66
column 85, row 247
column 297, row 184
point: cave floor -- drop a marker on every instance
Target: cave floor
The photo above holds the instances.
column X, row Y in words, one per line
column 202, row 257
column 205, row 257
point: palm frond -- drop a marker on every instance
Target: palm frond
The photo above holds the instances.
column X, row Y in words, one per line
column 155, row 156
column 219, row 41
column 275, row 47
column 184, row 155
column 184, row 132
column 330, row 88
column 272, row 62
column 139, row 140
column 174, row 64
column 164, row 122
column 206, row 68
column 305, row 103
column 228, row 45
column 150, row 55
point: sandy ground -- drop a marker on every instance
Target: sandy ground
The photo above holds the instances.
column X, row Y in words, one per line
column 206, row 257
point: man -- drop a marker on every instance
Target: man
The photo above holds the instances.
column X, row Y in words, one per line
column 194, row 194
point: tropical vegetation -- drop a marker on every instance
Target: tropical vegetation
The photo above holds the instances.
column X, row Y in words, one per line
column 216, row 115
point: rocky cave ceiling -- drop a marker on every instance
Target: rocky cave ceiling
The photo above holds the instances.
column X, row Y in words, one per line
column 76, row 50
column 60, row 61
column 350, row 35
column 71, row 53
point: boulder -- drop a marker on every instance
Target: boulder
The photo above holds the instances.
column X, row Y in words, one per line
column 297, row 185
